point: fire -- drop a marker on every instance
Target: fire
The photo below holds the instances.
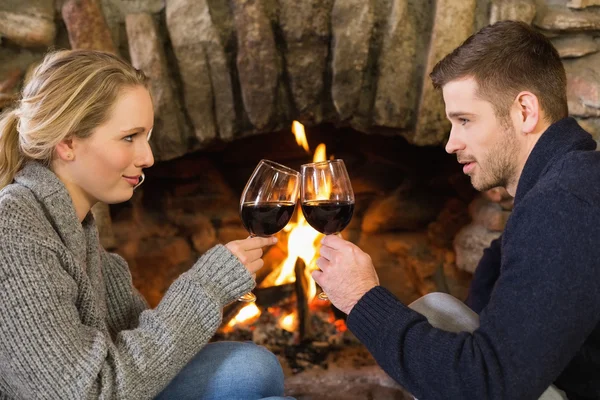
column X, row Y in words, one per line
column 320, row 153
column 288, row 322
column 246, row 315
column 298, row 130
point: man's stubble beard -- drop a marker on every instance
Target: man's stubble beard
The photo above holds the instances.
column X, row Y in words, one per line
column 498, row 166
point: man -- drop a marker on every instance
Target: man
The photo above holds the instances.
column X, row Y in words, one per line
column 537, row 288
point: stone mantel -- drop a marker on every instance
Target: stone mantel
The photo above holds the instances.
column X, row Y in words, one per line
column 226, row 70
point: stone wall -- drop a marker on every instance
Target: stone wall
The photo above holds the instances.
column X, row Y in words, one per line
column 228, row 69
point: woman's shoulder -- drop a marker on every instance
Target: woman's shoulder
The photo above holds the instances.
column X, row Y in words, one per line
column 20, row 211
column 15, row 197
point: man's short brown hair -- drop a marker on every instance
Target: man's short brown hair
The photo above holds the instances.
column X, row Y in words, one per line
column 504, row 59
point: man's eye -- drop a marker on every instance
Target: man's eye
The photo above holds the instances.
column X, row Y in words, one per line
column 463, row 121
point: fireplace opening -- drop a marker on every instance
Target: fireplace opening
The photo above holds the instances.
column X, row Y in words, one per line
column 410, row 203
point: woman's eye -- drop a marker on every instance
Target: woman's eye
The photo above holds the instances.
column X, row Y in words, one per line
column 129, row 138
column 463, row 121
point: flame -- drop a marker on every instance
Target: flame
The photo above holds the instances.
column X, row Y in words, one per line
column 298, row 130
column 302, row 243
column 303, row 239
column 246, row 314
column 320, row 153
column 288, row 322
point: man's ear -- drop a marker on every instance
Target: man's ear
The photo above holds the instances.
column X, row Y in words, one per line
column 529, row 111
column 64, row 150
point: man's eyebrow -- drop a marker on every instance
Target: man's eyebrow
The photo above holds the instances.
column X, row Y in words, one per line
column 456, row 114
column 134, row 130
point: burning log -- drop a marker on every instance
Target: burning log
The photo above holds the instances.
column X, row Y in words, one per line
column 305, row 330
column 273, row 295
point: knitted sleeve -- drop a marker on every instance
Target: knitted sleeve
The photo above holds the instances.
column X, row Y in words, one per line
column 47, row 351
column 124, row 302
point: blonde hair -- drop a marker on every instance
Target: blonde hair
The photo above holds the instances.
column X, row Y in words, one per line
column 70, row 94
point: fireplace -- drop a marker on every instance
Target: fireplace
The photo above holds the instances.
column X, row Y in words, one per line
column 411, row 201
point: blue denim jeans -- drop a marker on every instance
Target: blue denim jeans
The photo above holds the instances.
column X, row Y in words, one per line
column 228, row 371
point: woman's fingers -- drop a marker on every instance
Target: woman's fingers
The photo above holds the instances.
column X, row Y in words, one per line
column 250, row 256
column 255, row 265
column 257, row 242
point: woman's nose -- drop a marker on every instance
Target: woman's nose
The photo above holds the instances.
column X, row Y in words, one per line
column 145, row 158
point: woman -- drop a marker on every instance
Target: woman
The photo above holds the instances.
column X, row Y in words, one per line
column 72, row 326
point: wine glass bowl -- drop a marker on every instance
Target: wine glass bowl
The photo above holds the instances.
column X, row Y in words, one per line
column 268, row 201
column 266, row 219
column 326, row 197
column 328, row 217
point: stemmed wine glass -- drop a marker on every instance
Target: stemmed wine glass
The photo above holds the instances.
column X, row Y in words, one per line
column 268, row 202
column 327, row 198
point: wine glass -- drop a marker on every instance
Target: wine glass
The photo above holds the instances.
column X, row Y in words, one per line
column 327, row 198
column 268, row 202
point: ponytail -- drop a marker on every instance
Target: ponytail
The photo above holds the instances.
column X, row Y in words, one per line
column 11, row 158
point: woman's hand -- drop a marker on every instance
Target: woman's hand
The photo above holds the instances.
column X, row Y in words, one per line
column 249, row 251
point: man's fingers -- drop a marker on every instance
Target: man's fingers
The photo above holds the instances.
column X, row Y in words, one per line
column 317, row 275
column 322, row 263
column 326, row 252
column 333, row 241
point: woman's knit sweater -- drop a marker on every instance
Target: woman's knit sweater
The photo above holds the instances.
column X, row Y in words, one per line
column 72, row 326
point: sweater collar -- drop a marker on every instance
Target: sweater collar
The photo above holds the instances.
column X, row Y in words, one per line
column 560, row 138
column 57, row 204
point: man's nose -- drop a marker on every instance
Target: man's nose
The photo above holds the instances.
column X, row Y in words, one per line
column 454, row 143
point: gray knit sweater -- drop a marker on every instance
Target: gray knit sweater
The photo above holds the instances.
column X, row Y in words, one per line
column 71, row 324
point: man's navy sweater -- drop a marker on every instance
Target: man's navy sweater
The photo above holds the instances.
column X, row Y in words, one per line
column 537, row 291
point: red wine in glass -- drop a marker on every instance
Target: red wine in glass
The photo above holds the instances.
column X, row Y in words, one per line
column 266, row 219
column 328, row 217
column 268, row 201
column 327, row 198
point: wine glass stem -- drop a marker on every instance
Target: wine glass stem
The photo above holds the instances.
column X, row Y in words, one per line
column 323, row 295
column 248, row 297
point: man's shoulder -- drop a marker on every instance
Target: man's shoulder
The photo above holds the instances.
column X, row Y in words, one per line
column 578, row 173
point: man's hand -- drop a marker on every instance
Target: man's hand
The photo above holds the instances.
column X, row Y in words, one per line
column 347, row 272
column 249, row 251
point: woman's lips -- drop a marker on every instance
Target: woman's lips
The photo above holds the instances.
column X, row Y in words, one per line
column 133, row 180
